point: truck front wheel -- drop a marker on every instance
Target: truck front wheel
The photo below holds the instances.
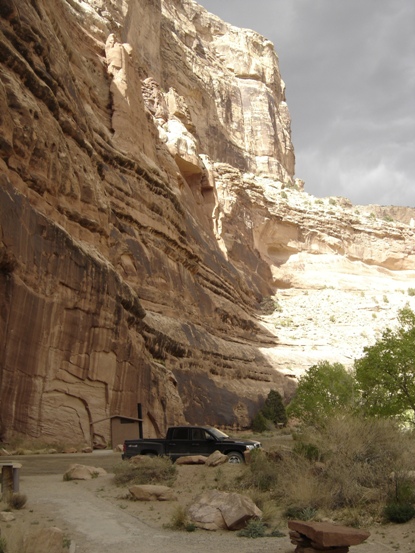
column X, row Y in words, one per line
column 235, row 457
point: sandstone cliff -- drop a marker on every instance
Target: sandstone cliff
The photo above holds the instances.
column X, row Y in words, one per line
column 148, row 208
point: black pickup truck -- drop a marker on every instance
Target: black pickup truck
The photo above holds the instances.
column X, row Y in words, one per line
column 190, row 440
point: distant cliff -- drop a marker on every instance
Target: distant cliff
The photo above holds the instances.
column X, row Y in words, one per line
column 149, row 211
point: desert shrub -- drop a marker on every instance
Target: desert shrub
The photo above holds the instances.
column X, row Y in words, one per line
column 357, row 458
column 260, row 423
column 307, row 450
column 300, row 513
column 180, row 521
column 411, row 291
column 399, row 512
column 3, row 545
column 151, row 470
column 17, row 501
column 254, row 529
column 261, row 473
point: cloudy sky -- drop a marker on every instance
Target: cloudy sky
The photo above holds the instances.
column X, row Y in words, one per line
column 349, row 70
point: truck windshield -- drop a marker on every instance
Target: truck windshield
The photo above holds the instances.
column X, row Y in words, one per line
column 219, row 435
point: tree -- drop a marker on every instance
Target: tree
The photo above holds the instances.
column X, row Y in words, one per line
column 274, row 409
column 325, row 389
column 386, row 372
column 272, row 413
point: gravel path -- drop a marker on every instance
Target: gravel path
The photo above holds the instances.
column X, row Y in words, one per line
column 96, row 524
column 100, row 526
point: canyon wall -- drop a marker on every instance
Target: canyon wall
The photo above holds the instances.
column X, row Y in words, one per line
column 148, row 211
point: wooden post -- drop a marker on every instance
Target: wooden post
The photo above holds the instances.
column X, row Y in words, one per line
column 140, row 421
column 7, row 482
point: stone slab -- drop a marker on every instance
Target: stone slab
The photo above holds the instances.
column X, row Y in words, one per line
column 327, row 534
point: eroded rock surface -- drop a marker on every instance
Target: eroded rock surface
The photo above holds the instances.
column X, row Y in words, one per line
column 148, row 208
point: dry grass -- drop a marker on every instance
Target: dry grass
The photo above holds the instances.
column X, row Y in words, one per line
column 342, row 471
column 150, row 470
column 17, row 501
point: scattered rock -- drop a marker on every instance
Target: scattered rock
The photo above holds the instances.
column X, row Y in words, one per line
column 4, row 452
column 83, row 472
column 215, row 459
column 149, row 492
column 191, row 460
column 119, row 448
column 217, row 510
column 44, row 540
column 5, row 516
column 87, row 450
column 71, row 450
column 324, row 536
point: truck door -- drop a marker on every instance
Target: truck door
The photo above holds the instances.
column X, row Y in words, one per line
column 203, row 443
column 179, row 443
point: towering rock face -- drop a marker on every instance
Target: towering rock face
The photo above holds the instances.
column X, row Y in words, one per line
column 147, row 207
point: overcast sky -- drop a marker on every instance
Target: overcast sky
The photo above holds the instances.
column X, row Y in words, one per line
column 349, row 70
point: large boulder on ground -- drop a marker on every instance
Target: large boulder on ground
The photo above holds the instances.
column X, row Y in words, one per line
column 149, row 492
column 216, row 458
column 217, row 510
column 42, row 540
column 191, row 460
column 83, row 472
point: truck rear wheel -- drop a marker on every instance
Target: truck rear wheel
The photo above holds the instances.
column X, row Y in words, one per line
column 235, row 457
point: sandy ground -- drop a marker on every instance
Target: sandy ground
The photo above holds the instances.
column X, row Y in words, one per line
column 98, row 517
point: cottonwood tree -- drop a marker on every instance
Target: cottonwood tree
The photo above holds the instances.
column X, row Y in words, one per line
column 326, row 389
column 386, row 372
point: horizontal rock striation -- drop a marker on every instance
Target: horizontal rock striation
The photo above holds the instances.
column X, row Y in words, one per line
column 148, row 206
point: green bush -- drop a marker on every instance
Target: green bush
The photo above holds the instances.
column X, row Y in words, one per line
column 260, row 423
column 150, row 470
column 254, row 529
column 261, row 474
column 307, row 450
column 399, row 512
column 300, row 513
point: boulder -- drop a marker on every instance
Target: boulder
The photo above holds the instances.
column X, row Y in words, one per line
column 149, row 492
column 326, row 534
column 42, row 540
column 191, row 460
column 83, row 472
column 216, row 458
column 217, row 510
column 6, row 516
